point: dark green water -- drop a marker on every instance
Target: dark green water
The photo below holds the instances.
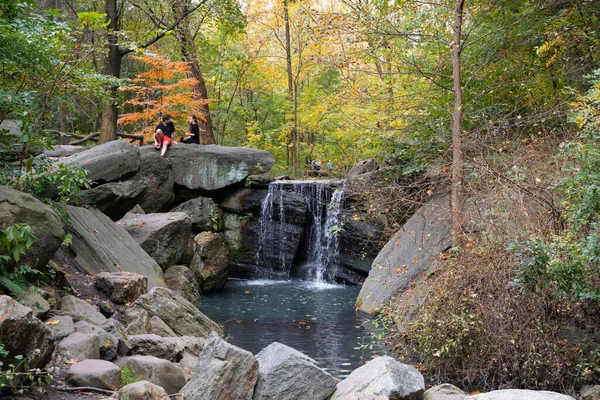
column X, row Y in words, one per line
column 317, row 319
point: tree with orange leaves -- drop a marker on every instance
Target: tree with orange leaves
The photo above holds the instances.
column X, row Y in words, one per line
column 163, row 88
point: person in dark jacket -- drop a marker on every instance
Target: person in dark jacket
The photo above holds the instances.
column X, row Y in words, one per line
column 193, row 136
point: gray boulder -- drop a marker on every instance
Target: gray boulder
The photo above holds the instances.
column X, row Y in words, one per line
column 158, row 371
column 122, row 287
column 142, row 390
column 81, row 310
column 241, row 236
column 183, row 281
column 210, row 263
column 158, row 327
column 411, row 253
column 100, row 245
column 179, row 314
column 80, row 346
column 109, row 344
column 214, row 167
column 444, row 391
column 590, row 392
column 518, row 394
column 23, row 334
column 361, row 240
column 21, row 208
column 204, row 213
column 95, row 373
column 140, row 323
column 107, row 162
column 114, row 199
column 285, row 373
column 64, row 150
column 383, row 376
column 168, row 348
column 163, row 235
column 61, row 326
column 33, row 299
column 117, row 330
column 155, row 174
column 223, row 372
column 362, row 167
column 362, row 396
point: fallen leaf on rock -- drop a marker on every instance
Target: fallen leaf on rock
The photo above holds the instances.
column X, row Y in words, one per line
column 53, row 322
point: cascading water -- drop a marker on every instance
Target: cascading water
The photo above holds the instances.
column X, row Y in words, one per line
column 316, row 260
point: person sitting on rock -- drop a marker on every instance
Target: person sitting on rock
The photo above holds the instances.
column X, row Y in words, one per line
column 193, row 136
column 163, row 134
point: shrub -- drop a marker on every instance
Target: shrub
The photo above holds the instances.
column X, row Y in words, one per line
column 15, row 240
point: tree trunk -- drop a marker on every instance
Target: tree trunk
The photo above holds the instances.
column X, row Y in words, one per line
column 63, row 125
column 112, row 67
column 190, row 54
column 456, row 196
column 290, row 78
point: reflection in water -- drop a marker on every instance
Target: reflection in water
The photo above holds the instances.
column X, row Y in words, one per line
column 315, row 318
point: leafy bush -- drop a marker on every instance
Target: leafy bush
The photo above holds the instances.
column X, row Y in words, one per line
column 19, row 376
column 468, row 325
column 15, row 240
column 568, row 262
column 128, row 376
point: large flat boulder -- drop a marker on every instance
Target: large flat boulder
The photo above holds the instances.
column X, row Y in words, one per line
column 286, row 374
column 100, row 245
column 411, row 253
column 210, row 262
column 81, row 310
column 518, row 394
column 22, row 208
column 114, row 199
column 23, row 334
column 95, row 373
column 155, row 174
column 179, row 314
column 61, row 326
column 160, row 372
column 383, row 376
column 107, row 162
column 204, row 213
column 163, row 236
column 223, row 372
column 214, row 167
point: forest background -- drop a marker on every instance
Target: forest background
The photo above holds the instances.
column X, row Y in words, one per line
column 345, row 80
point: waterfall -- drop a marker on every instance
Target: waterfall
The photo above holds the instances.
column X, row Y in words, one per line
column 308, row 248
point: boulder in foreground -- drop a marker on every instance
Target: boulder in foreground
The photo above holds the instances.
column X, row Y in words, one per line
column 517, row 394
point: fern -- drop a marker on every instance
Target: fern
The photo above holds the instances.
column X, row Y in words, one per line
column 15, row 240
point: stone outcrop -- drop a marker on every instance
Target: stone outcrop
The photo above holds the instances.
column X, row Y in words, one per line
column 444, row 391
column 361, row 240
column 286, row 374
column 214, row 167
column 22, row 208
column 210, row 263
column 23, row 334
column 80, row 346
column 383, row 376
column 244, row 201
column 163, row 236
column 158, row 327
column 411, row 253
column 81, row 310
column 160, row 372
column 107, row 162
column 517, row 394
column 241, row 237
column 122, row 287
column 95, row 373
column 363, row 167
column 204, row 213
column 61, row 326
column 108, row 344
column 142, row 390
column 168, row 348
column 179, row 314
column 100, row 245
column 224, row 372
column 114, row 199
column 183, row 281
column 155, row 175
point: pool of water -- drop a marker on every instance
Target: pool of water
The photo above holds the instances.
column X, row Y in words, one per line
column 317, row 319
